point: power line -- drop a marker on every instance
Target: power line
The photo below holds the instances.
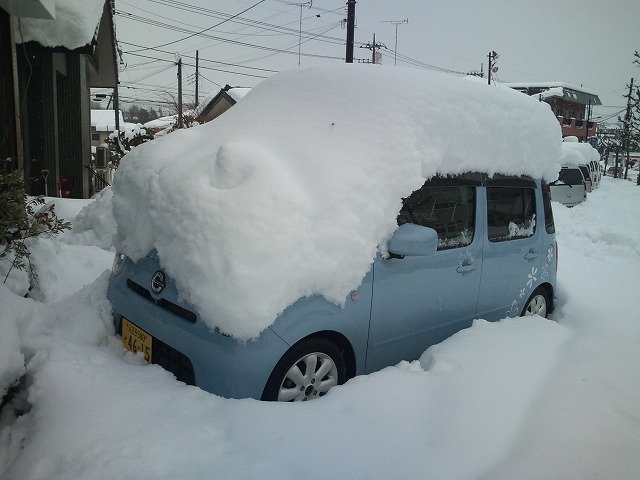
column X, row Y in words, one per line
column 292, row 46
column 242, row 21
column 153, row 89
column 201, row 59
column 211, row 81
column 149, row 75
column 235, row 42
column 207, row 29
column 193, row 65
column 156, row 23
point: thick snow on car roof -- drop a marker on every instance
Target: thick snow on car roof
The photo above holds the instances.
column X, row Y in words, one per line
column 574, row 153
column 290, row 193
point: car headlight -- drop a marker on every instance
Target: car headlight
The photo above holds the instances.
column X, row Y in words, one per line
column 118, row 263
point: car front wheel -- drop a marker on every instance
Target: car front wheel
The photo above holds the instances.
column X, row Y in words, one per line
column 307, row 371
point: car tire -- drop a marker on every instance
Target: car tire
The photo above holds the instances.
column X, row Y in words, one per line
column 539, row 303
column 290, row 381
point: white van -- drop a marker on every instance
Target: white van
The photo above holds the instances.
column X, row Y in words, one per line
column 570, row 188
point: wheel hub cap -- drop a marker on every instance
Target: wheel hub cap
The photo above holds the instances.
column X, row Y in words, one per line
column 310, row 377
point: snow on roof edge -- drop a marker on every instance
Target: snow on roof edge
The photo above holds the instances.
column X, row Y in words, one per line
column 75, row 26
column 569, row 86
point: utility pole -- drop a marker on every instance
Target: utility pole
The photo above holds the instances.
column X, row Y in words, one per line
column 586, row 127
column 396, row 22
column 303, row 4
column 197, row 75
column 180, row 124
column 373, row 46
column 373, row 50
column 351, row 24
column 116, row 107
column 493, row 56
column 627, row 125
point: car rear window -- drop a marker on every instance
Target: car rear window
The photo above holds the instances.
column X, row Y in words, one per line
column 570, row 176
column 449, row 210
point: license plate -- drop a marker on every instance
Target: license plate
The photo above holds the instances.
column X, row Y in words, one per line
column 136, row 340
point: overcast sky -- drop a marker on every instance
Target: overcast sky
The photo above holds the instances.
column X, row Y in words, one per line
column 587, row 42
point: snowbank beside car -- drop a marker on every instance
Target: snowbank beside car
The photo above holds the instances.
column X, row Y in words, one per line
column 292, row 191
column 489, row 402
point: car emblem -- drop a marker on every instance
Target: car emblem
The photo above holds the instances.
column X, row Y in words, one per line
column 158, row 282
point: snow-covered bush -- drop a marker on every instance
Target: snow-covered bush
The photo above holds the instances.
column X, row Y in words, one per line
column 20, row 219
column 125, row 140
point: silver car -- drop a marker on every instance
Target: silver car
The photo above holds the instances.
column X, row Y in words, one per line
column 570, row 188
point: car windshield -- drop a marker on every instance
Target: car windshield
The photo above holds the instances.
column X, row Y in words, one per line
column 570, row 176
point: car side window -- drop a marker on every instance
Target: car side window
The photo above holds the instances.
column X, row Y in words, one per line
column 449, row 210
column 511, row 213
column 548, row 212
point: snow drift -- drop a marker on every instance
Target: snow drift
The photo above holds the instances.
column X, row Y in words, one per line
column 290, row 193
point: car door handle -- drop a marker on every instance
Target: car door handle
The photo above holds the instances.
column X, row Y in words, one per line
column 531, row 255
column 466, row 268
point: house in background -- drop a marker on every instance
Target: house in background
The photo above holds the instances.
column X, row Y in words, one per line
column 57, row 58
column 103, row 124
column 215, row 105
column 571, row 105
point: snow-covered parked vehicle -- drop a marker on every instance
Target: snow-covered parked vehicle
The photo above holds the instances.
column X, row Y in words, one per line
column 587, row 177
column 284, row 248
column 584, row 156
column 570, row 187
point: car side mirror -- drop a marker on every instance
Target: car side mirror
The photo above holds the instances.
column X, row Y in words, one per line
column 411, row 240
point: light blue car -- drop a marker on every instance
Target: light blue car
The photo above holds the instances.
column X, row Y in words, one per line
column 467, row 247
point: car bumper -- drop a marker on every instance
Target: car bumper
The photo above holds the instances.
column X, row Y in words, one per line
column 220, row 364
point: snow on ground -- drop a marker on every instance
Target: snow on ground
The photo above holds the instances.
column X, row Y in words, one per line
column 65, row 269
column 520, row 398
column 586, row 421
column 94, row 225
column 65, row 208
column 62, row 270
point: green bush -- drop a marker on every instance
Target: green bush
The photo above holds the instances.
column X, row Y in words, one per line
column 20, row 219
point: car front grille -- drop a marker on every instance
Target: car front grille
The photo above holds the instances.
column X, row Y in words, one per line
column 181, row 312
